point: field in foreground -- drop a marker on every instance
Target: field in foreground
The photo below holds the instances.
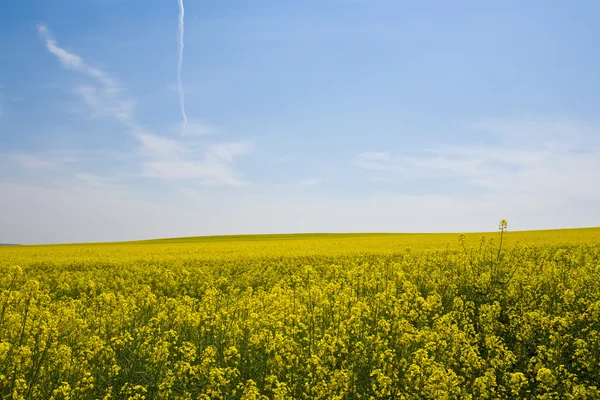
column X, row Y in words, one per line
column 304, row 317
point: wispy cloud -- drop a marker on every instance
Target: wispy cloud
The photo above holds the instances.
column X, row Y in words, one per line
column 227, row 152
column 105, row 97
column 105, row 102
column 170, row 160
column 563, row 161
column 71, row 60
column 377, row 156
column 160, row 157
column 376, row 160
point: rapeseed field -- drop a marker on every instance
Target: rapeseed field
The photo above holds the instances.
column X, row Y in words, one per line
column 505, row 315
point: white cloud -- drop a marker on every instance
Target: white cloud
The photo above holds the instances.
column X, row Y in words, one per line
column 158, row 147
column 169, row 160
column 160, row 157
column 376, row 161
column 227, row 152
column 198, row 129
column 562, row 163
column 375, row 156
column 73, row 61
column 105, row 98
column 106, row 102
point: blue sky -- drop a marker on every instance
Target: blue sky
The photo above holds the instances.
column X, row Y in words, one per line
column 304, row 116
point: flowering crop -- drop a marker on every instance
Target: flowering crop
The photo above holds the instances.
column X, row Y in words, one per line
column 436, row 316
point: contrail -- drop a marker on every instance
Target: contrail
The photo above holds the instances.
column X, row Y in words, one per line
column 179, row 66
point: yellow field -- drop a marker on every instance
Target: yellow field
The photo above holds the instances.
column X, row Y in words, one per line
column 346, row 316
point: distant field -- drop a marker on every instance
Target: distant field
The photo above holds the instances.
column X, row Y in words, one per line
column 236, row 246
column 308, row 316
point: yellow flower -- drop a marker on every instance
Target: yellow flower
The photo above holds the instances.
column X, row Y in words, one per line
column 503, row 225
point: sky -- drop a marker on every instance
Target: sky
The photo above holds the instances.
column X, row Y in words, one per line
column 130, row 119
